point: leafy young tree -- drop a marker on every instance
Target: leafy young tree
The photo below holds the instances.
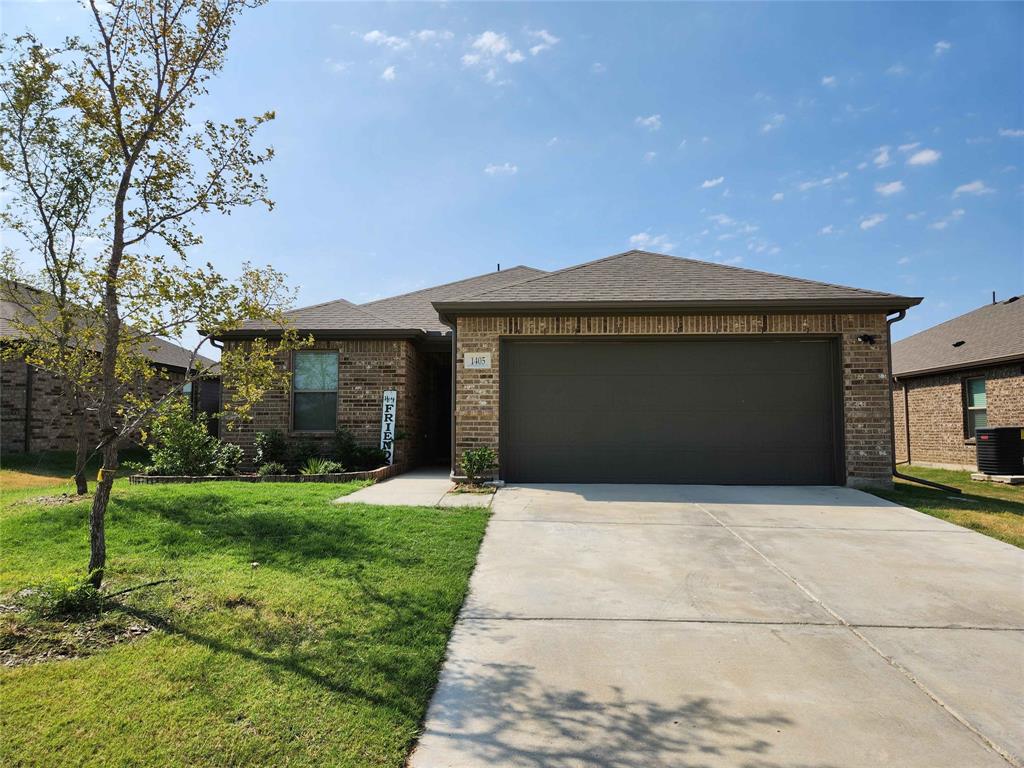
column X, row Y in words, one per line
column 128, row 93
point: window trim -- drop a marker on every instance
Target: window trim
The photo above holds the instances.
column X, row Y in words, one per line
column 965, row 385
column 292, row 429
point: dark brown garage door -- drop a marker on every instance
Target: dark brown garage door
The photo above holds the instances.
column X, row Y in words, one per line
column 717, row 412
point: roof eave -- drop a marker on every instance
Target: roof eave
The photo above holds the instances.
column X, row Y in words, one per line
column 875, row 303
column 964, row 366
column 324, row 333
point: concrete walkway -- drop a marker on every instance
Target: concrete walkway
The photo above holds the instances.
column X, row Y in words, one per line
column 419, row 488
column 625, row 626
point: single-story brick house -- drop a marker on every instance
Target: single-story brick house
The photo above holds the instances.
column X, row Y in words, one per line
column 955, row 377
column 639, row 367
column 35, row 414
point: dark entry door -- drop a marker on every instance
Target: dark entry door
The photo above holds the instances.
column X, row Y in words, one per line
column 718, row 412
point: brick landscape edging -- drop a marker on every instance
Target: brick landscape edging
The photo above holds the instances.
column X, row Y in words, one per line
column 381, row 473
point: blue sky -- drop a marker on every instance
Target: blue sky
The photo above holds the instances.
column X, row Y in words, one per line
column 875, row 145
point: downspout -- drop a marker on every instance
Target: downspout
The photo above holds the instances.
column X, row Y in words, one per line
column 28, row 407
column 892, row 415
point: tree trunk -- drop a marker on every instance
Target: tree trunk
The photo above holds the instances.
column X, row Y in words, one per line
column 81, row 451
column 97, row 517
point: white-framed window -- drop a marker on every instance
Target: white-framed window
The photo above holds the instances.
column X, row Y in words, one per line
column 315, row 391
column 975, row 406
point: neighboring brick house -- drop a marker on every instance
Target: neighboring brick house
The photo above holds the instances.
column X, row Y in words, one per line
column 951, row 379
column 639, row 367
column 35, row 415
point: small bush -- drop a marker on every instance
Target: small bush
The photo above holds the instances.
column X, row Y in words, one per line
column 181, row 445
column 478, row 462
column 272, row 468
column 354, row 456
column 300, row 452
column 320, row 466
column 69, row 596
column 270, row 447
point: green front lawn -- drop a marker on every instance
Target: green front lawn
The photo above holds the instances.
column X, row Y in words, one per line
column 325, row 652
column 994, row 509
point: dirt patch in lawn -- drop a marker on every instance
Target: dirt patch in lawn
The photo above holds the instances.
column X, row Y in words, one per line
column 28, row 640
column 469, row 488
column 59, row 500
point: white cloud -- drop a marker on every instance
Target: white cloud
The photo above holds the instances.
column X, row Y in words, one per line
column 709, row 183
column 505, row 169
column 897, row 70
column 954, row 215
column 722, row 219
column 804, row 186
column 903, row 260
column 868, row 222
column 774, row 122
column 915, row 215
column 909, row 147
column 432, row 35
column 1011, row 133
column 973, row 188
column 861, row 166
column 376, row 37
column 491, row 44
column 942, row 47
column 649, row 156
column 882, row 158
column 978, row 140
column 828, row 229
column 336, row 67
column 777, row 197
column 651, row 122
column 598, row 68
column 552, row 141
column 924, row 157
column 646, row 241
column 388, row 74
column 830, row 81
column 890, row 188
column 547, row 41
column 514, row 57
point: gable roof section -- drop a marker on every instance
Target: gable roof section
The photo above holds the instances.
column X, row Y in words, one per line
column 337, row 315
column 648, row 281
column 990, row 334
column 160, row 351
column 416, row 309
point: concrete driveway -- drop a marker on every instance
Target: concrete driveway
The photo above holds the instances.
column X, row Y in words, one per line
column 622, row 626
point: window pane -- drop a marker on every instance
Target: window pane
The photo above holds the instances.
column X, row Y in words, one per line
column 316, row 371
column 976, row 420
column 976, row 393
column 315, row 411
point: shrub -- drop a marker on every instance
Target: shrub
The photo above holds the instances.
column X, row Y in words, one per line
column 68, row 596
column 355, row 456
column 270, row 447
column 302, row 451
column 320, row 466
column 478, row 462
column 272, row 468
column 181, row 445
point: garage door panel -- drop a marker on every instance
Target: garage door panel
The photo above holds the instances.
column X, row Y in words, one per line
column 668, row 411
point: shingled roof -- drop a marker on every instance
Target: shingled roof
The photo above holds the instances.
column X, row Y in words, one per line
column 328, row 316
column 416, row 309
column 158, row 350
column 408, row 314
column 645, row 280
column 990, row 334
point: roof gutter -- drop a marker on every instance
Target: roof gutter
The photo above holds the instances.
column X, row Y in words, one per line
column 328, row 333
column 887, row 304
column 892, row 415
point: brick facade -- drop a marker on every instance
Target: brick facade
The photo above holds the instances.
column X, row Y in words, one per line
column 366, row 368
column 936, row 405
column 864, row 369
column 27, row 392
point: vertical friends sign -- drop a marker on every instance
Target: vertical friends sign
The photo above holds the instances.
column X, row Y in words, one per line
column 387, row 424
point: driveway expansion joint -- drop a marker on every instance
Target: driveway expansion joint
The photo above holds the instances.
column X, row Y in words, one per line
column 1002, row 752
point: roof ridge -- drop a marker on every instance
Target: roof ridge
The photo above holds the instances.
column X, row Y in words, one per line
column 562, row 270
column 954, row 319
column 453, row 282
column 350, row 305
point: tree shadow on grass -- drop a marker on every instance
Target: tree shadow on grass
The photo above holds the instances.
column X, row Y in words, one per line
column 506, row 715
